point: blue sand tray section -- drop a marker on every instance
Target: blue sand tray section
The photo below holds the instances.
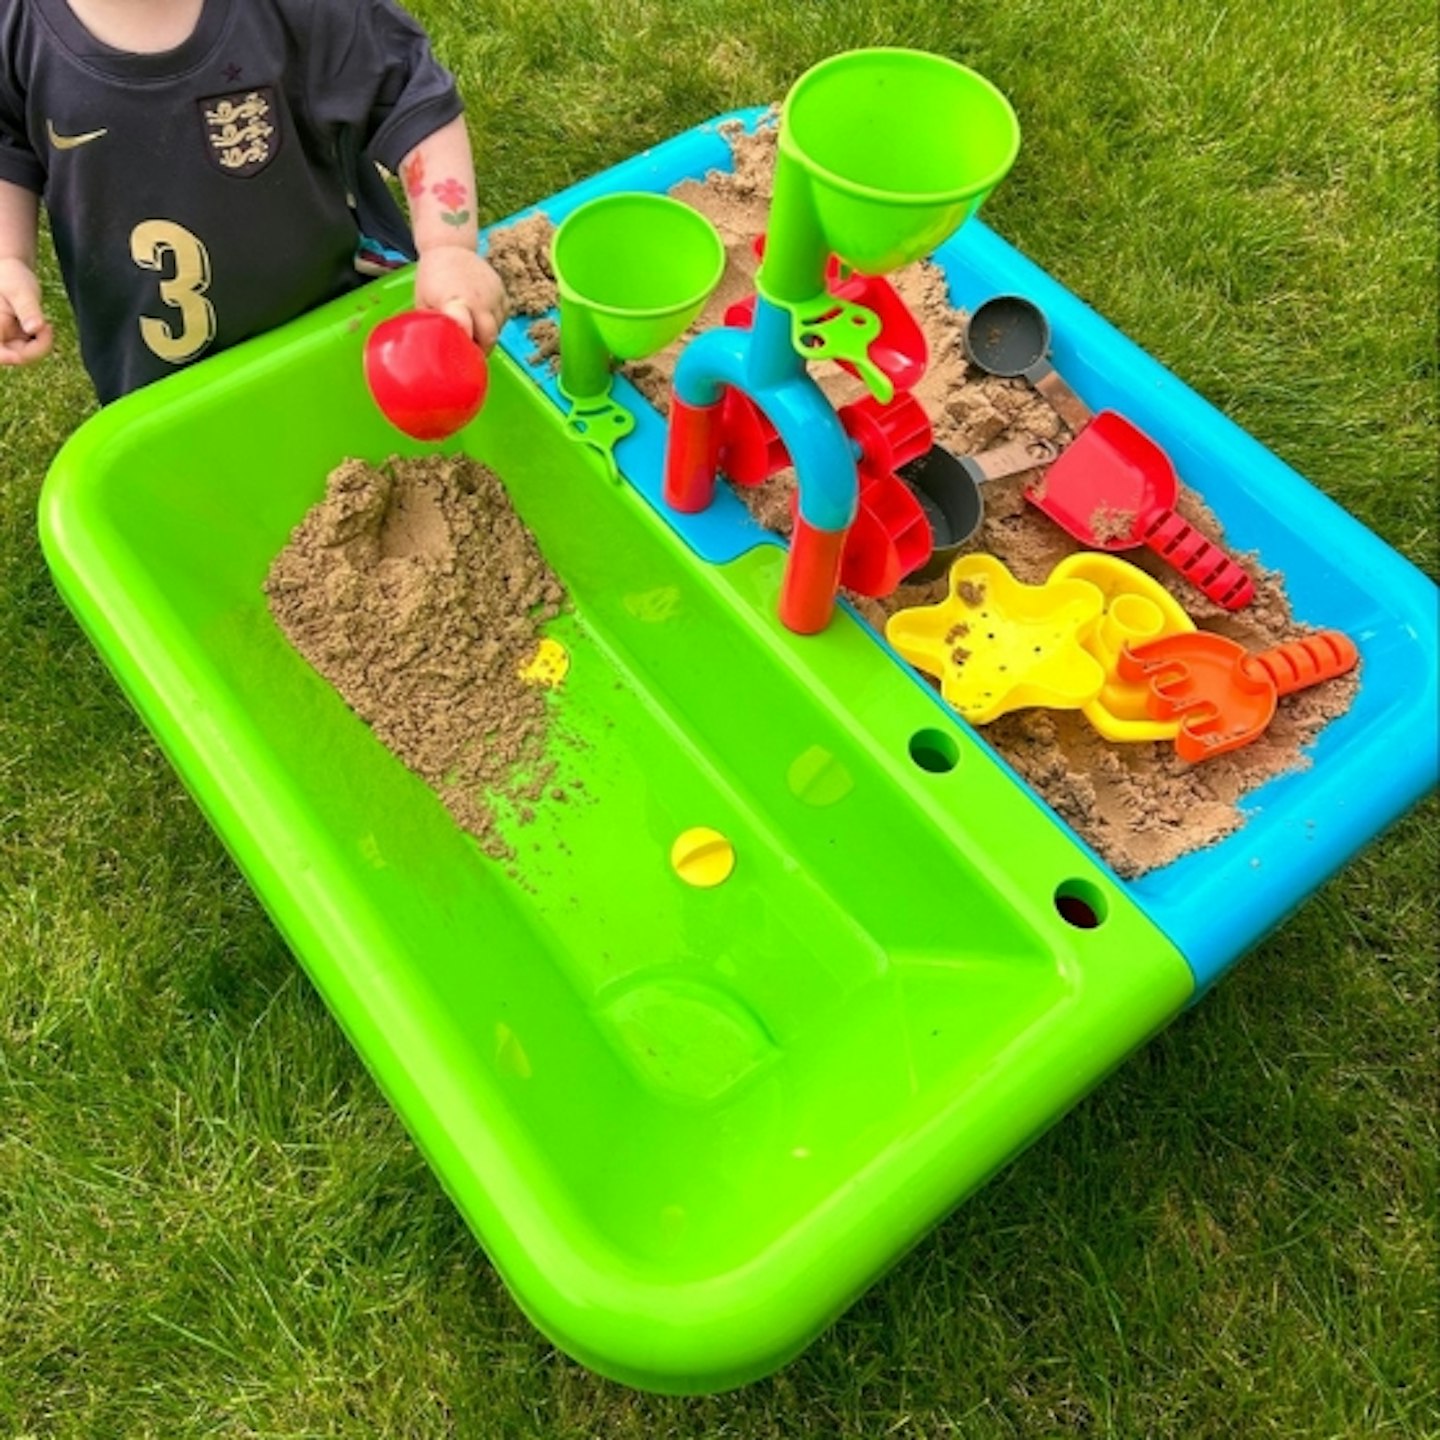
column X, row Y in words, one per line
column 1367, row 767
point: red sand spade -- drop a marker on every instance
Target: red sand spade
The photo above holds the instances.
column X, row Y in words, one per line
column 1223, row 695
column 1114, row 488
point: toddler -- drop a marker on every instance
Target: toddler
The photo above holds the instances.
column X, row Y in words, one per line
column 209, row 170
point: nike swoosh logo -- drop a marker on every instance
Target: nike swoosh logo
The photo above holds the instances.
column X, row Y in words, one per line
column 71, row 142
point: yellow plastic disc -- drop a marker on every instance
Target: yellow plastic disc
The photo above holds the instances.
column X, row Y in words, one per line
column 548, row 666
column 702, row 857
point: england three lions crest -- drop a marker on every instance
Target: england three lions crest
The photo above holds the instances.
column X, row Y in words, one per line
column 242, row 131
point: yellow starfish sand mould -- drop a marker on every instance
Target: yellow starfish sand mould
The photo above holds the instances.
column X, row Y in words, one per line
column 998, row 645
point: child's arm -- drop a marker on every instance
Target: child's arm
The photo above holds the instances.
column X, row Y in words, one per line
column 25, row 334
column 439, row 179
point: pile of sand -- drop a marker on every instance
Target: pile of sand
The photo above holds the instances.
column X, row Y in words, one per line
column 418, row 593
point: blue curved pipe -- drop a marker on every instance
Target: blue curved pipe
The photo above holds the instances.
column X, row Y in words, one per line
column 763, row 365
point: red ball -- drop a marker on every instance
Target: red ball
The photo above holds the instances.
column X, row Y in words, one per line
column 427, row 375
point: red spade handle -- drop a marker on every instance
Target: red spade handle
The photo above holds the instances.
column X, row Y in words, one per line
column 1205, row 565
column 1302, row 663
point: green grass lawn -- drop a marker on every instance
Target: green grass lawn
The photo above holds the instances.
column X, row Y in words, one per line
column 212, row 1224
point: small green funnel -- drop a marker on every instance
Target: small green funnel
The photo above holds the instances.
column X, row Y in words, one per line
column 883, row 155
column 633, row 271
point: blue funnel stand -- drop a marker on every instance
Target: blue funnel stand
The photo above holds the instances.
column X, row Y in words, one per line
column 763, row 366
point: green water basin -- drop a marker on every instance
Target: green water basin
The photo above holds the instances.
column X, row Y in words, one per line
column 688, row 1126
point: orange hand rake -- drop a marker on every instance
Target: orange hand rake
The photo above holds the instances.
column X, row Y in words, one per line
column 1223, row 695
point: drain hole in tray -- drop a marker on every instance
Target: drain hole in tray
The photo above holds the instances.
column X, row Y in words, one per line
column 1081, row 904
column 934, row 750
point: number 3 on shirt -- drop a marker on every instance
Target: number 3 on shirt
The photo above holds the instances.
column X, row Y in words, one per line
column 151, row 242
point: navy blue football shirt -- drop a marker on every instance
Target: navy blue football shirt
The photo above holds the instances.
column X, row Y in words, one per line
column 211, row 192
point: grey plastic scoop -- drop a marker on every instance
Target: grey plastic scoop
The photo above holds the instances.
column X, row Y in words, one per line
column 1009, row 336
column 948, row 489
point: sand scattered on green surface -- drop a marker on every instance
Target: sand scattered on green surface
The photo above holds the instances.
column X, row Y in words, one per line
column 1140, row 806
column 415, row 589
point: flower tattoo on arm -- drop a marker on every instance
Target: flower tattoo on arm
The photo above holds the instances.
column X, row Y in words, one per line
column 453, row 198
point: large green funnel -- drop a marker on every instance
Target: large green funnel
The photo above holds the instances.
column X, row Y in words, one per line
column 633, row 271
column 883, row 155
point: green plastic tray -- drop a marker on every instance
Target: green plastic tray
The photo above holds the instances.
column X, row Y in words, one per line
column 688, row 1126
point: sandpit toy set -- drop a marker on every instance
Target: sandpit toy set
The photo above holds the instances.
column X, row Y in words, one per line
column 792, row 961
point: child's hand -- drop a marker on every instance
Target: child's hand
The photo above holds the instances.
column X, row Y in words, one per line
column 455, row 280
column 25, row 333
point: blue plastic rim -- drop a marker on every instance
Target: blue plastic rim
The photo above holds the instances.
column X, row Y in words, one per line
column 1367, row 768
